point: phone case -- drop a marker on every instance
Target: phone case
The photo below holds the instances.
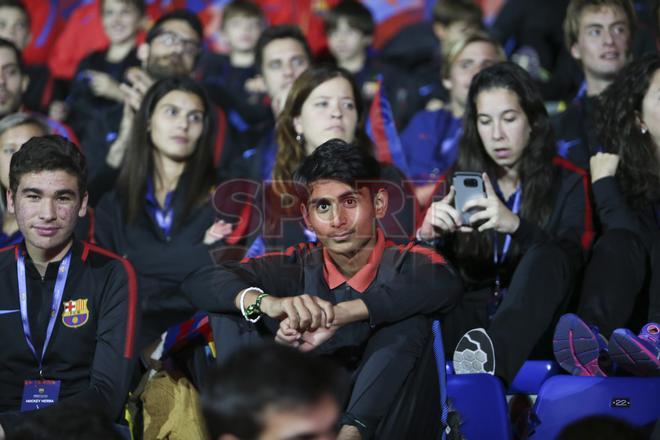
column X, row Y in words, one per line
column 468, row 186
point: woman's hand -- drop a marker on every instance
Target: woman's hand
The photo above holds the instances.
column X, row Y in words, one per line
column 441, row 218
column 493, row 213
column 217, row 231
column 603, row 165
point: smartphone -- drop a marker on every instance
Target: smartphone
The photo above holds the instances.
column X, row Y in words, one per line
column 468, row 186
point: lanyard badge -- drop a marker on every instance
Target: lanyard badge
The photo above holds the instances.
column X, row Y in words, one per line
column 40, row 393
column 498, row 259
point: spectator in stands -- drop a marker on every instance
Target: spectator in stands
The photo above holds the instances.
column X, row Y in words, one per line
column 520, row 252
column 15, row 27
column 598, row 34
column 323, row 104
column 288, row 395
column 310, row 295
column 452, row 19
column 159, row 215
column 282, row 54
column 621, row 286
column 13, row 83
column 78, row 345
column 349, row 26
column 171, row 49
column 15, row 130
column 229, row 78
column 431, row 139
column 96, row 82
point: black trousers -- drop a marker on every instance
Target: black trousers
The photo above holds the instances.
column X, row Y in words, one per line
column 537, row 295
column 621, row 285
column 395, row 391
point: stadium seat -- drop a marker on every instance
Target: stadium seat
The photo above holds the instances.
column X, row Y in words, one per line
column 564, row 399
column 478, row 398
column 480, row 401
column 532, row 375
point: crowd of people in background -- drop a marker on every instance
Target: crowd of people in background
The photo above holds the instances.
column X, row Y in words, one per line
column 168, row 207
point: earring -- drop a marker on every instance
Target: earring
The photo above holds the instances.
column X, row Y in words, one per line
column 300, row 138
column 644, row 130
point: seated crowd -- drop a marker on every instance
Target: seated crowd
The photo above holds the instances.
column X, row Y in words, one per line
column 169, row 209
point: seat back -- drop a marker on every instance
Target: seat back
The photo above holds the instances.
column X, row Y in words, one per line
column 565, row 399
column 478, row 398
column 532, row 375
column 480, row 401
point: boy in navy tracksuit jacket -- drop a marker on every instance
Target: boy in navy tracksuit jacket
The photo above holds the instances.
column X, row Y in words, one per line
column 67, row 312
column 355, row 297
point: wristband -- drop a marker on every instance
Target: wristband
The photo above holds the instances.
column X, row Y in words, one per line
column 253, row 312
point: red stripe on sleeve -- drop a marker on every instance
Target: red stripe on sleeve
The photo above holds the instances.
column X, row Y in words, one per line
column 132, row 297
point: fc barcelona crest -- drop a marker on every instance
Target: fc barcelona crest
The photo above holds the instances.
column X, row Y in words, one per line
column 75, row 313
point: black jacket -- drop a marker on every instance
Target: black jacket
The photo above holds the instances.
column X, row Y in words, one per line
column 300, row 269
column 94, row 360
column 161, row 262
column 570, row 225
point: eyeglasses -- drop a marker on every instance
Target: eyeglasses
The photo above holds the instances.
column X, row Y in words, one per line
column 171, row 39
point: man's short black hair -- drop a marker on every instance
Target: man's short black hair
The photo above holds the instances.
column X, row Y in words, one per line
column 337, row 160
column 17, row 53
column 280, row 32
column 356, row 14
column 259, row 377
column 178, row 14
column 48, row 153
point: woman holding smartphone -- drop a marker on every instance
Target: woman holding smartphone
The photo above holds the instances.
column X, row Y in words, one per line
column 621, row 286
column 522, row 248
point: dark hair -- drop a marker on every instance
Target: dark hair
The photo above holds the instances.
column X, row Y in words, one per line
column 17, row 53
column 576, row 9
column 290, row 152
column 617, row 126
column 47, row 424
column 358, row 16
column 138, row 164
column 336, row 160
column 48, row 153
column 537, row 172
column 140, row 5
column 280, row 32
column 178, row 14
column 447, row 12
column 241, row 8
column 256, row 378
column 600, row 427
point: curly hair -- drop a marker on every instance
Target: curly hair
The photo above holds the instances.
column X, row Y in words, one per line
column 618, row 128
column 537, row 172
column 291, row 152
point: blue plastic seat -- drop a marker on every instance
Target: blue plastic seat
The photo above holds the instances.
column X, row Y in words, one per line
column 478, row 398
column 565, row 399
column 532, row 375
column 480, row 401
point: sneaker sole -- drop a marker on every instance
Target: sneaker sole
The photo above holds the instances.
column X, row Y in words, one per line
column 473, row 353
column 631, row 355
column 576, row 348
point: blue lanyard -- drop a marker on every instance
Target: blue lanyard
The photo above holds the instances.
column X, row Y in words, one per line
column 507, row 240
column 62, row 274
column 163, row 216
